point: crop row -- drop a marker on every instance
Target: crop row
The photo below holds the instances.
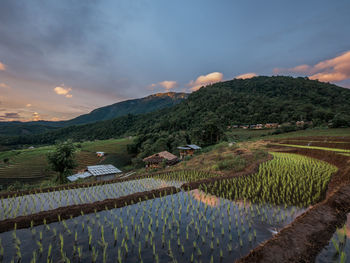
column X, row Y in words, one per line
column 313, row 147
column 288, row 179
column 34, row 203
column 184, row 227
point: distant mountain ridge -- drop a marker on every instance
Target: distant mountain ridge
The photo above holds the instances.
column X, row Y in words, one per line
column 213, row 108
column 134, row 106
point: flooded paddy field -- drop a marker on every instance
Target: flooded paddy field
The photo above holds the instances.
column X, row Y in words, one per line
column 186, row 227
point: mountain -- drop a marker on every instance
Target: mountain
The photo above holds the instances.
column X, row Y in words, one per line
column 204, row 116
column 135, row 106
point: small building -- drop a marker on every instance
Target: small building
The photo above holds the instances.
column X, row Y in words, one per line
column 188, row 150
column 156, row 160
column 100, row 154
column 271, row 125
column 99, row 172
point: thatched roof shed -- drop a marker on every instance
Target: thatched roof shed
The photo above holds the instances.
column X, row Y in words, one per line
column 160, row 157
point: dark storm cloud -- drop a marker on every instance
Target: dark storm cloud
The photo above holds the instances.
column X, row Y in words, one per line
column 60, row 41
column 107, row 51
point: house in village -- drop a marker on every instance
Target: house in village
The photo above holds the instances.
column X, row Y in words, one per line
column 100, row 154
column 156, row 160
column 271, row 125
column 188, row 150
column 98, row 172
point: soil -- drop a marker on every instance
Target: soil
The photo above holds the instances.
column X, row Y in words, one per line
column 77, row 210
column 303, row 239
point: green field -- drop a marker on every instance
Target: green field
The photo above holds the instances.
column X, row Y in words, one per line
column 313, row 132
column 314, row 147
column 243, row 135
column 31, row 164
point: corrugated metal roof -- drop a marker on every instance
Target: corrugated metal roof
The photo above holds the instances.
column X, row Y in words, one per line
column 72, row 178
column 97, row 170
column 183, row 148
column 77, row 176
column 194, row 147
column 84, row 175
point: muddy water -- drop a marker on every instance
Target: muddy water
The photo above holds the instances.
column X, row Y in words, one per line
column 187, row 226
column 341, row 238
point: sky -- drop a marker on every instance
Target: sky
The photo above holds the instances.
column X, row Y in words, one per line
column 61, row 59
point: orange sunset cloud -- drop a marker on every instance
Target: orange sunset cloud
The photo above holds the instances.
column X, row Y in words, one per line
column 61, row 90
column 2, row 66
column 246, row 76
column 205, row 80
column 4, row 85
column 331, row 70
column 168, row 84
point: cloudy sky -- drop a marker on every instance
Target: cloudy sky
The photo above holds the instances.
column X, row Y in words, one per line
column 60, row 59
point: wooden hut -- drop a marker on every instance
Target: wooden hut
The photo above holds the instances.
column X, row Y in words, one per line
column 188, row 150
column 156, row 160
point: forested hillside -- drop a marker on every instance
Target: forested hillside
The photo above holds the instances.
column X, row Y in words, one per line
column 135, row 106
column 203, row 117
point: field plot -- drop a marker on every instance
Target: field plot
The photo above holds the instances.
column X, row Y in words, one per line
column 34, row 203
column 338, row 249
column 288, row 179
column 193, row 226
column 186, row 227
column 30, row 165
column 339, row 150
column 331, row 145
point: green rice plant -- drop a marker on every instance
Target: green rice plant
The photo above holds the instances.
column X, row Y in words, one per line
column 288, row 179
column 342, row 257
column 314, row 147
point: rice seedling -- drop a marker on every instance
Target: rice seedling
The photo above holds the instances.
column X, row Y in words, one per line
column 184, row 226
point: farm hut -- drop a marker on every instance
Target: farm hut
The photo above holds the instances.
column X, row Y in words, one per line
column 188, row 150
column 99, row 172
column 77, row 176
column 103, row 172
column 271, row 125
column 100, row 154
column 156, row 160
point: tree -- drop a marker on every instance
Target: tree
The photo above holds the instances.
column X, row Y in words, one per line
column 62, row 160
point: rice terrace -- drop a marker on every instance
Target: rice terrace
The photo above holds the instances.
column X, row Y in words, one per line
column 155, row 131
column 193, row 215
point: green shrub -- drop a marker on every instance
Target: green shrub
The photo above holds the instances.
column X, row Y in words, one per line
column 234, row 163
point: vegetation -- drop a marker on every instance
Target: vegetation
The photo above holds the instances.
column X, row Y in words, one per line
column 205, row 115
column 288, row 179
column 181, row 227
column 339, row 246
column 38, row 202
column 136, row 106
column 29, row 168
column 313, row 147
column 62, row 160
